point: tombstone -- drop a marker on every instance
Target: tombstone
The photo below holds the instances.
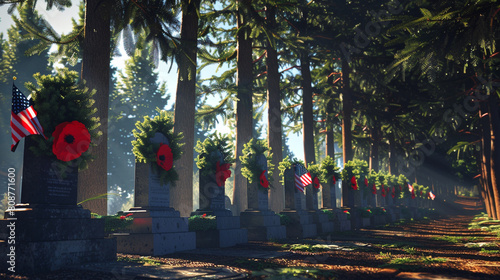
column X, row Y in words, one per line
column 262, row 223
column 329, row 195
column 302, row 225
column 324, row 225
column 51, row 232
column 157, row 229
column 213, row 202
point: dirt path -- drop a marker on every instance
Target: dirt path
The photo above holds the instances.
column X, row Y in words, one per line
column 441, row 248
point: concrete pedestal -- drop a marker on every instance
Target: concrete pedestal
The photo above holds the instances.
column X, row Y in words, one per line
column 302, row 225
column 262, row 225
column 156, row 233
column 51, row 237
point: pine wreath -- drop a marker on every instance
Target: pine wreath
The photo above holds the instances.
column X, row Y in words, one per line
column 329, row 170
column 206, row 160
column 250, row 169
column 146, row 152
column 58, row 99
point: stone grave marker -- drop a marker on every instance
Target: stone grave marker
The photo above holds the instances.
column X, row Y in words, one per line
column 302, row 225
column 157, row 229
column 213, row 202
column 51, row 231
column 319, row 217
column 262, row 223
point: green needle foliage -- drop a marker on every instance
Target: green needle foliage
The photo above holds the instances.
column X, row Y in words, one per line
column 329, row 169
column 250, row 169
column 145, row 151
column 59, row 98
column 206, row 160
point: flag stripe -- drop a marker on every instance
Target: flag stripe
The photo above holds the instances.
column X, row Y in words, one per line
column 16, row 124
column 23, row 119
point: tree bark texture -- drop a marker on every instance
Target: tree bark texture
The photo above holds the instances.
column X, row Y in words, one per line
column 346, row 126
column 244, row 106
column 95, row 72
column 181, row 195
column 274, row 128
column 307, row 109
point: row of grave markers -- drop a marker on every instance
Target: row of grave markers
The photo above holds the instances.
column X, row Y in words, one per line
column 52, row 232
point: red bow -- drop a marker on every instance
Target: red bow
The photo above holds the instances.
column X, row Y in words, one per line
column 263, row 180
column 316, row 183
column 354, row 184
column 222, row 172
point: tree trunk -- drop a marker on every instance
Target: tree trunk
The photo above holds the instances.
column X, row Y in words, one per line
column 181, row 196
column 244, row 106
column 346, row 126
column 95, row 72
column 486, row 153
column 392, row 155
column 495, row 151
column 274, row 129
column 374, row 147
column 307, row 110
column 330, row 140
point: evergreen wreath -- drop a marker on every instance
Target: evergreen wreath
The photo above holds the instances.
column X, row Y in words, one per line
column 206, row 161
column 57, row 99
column 250, row 169
column 316, row 172
column 286, row 164
column 329, row 169
column 146, row 152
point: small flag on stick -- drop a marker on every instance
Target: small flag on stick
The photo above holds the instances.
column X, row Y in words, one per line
column 432, row 195
column 23, row 119
column 302, row 177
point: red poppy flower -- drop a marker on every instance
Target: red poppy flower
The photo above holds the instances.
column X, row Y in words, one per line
column 374, row 189
column 222, row 172
column 316, row 183
column 204, row 215
column 354, row 184
column 382, row 191
column 366, row 182
column 122, row 217
column 129, row 214
column 334, row 179
column 263, row 180
column 413, row 194
column 164, row 157
column 71, row 140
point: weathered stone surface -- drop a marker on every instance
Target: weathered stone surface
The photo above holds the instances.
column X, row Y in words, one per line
column 302, row 225
column 261, row 233
column 251, row 218
column 46, row 181
column 262, row 225
column 33, row 230
column 221, row 238
column 155, row 244
column 46, row 256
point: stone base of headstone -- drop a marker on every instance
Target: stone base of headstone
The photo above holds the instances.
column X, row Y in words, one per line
column 417, row 215
column 379, row 220
column 49, row 238
column 262, row 225
column 341, row 220
column 227, row 234
column 321, row 220
column 396, row 212
column 156, row 233
column 302, row 225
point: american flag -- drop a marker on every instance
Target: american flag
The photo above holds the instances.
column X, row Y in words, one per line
column 410, row 187
column 432, row 195
column 23, row 120
column 302, row 177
